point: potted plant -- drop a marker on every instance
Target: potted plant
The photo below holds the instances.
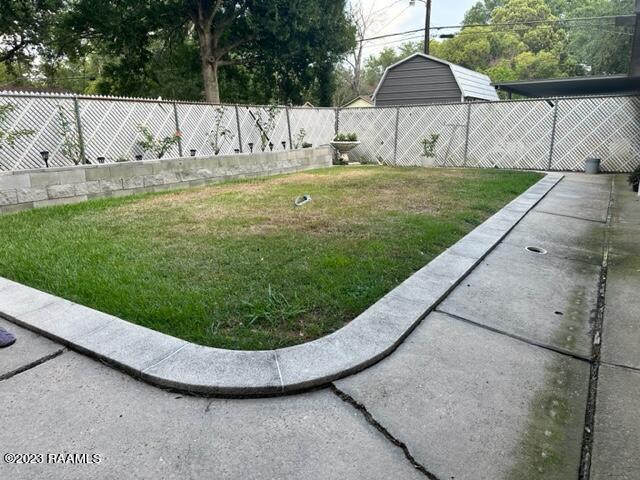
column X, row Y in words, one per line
column 344, row 143
column 634, row 178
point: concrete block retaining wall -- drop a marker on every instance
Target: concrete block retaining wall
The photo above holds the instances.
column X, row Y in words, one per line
column 24, row 189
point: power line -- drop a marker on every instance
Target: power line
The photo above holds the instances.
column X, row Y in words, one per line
column 507, row 24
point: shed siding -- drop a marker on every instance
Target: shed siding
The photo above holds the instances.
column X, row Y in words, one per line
column 419, row 80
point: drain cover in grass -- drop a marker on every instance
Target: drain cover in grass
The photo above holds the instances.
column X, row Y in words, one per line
column 6, row 338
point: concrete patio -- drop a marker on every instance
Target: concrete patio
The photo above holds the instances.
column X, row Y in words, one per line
column 528, row 369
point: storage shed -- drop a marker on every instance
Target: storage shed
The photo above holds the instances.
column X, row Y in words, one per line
column 422, row 79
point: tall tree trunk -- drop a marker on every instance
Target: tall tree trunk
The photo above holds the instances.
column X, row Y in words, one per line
column 210, row 80
column 209, row 64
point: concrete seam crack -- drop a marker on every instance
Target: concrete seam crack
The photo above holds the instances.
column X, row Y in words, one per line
column 515, row 337
column 590, row 411
column 345, row 397
column 31, row 365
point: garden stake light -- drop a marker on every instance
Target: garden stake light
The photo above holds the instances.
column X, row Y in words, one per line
column 100, row 160
column 284, row 145
column 193, row 152
column 45, row 158
column 251, row 146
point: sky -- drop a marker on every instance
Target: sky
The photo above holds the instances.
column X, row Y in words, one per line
column 397, row 16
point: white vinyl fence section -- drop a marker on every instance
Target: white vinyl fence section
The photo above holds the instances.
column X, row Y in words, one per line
column 545, row 134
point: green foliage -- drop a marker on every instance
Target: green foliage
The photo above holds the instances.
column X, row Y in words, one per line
column 158, row 146
column 219, row 134
column 346, row 137
column 429, row 145
column 70, row 141
column 9, row 136
column 266, row 123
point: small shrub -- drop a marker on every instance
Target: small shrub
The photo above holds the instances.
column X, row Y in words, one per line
column 158, row 146
column 429, row 145
column 634, row 178
column 346, row 137
column 300, row 136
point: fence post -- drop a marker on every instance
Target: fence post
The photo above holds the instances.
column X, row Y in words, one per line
column 395, row 137
column 289, row 128
column 238, row 127
column 76, row 108
column 553, row 133
column 466, row 140
column 337, row 125
column 178, row 131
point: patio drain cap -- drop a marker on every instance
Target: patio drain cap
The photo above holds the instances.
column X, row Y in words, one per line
column 538, row 250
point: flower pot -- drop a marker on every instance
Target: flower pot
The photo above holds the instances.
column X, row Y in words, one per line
column 343, row 149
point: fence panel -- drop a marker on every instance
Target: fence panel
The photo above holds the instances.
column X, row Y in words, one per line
column 415, row 124
column 207, row 128
column 318, row 125
column 111, row 128
column 510, row 135
column 607, row 128
column 256, row 120
column 44, row 118
column 375, row 128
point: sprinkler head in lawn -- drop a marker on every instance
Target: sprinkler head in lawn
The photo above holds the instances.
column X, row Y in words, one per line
column 6, row 338
column 302, row 200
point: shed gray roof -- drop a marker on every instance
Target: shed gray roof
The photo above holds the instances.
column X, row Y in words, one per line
column 471, row 83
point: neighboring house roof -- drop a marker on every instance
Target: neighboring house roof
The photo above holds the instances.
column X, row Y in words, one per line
column 472, row 84
column 308, row 105
column 359, row 98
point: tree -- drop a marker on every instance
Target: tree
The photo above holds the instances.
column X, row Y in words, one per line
column 293, row 40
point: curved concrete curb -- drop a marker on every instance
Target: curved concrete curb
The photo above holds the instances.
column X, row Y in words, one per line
column 170, row 362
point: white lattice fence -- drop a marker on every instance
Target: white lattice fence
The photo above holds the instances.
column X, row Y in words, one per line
column 607, row 128
column 254, row 119
column 415, row 124
column 510, row 135
column 375, row 128
column 43, row 117
column 207, row 127
column 111, row 128
column 318, row 125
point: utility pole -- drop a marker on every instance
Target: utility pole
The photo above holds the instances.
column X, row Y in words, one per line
column 427, row 22
column 427, row 25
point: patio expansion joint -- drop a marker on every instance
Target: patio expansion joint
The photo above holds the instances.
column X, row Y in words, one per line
column 348, row 399
column 514, row 336
column 30, row 365
column 572, row 216
column 590, row 411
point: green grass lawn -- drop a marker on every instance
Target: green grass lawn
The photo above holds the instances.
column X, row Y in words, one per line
column 236, row 265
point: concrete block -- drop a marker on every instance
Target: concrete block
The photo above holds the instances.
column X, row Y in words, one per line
column 110, row 185
column 97, row 173
column 45, row 179
column 129, row 183
column 73, row 175
column 8, row 197
column 16, row 181
column 26, row 195
column 61, row 191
